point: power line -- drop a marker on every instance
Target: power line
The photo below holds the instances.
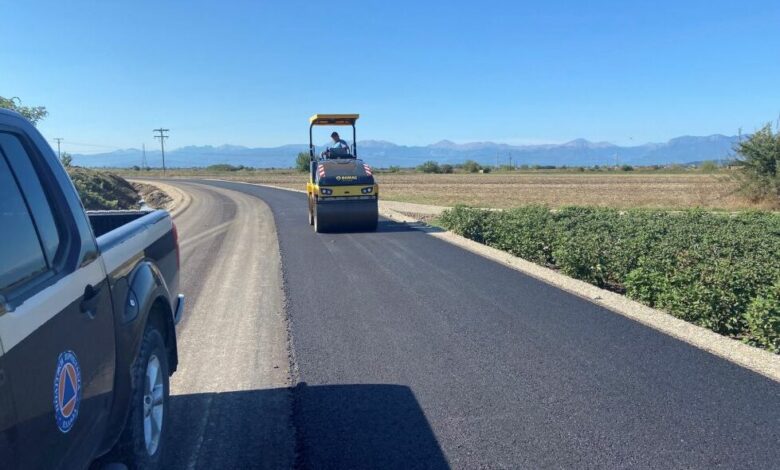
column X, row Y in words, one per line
column 59, row 154
column 161, row 135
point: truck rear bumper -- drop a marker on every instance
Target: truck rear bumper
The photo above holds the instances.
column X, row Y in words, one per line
column 179, row 309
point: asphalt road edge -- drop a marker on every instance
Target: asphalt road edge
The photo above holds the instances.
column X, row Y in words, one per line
column 757, row 360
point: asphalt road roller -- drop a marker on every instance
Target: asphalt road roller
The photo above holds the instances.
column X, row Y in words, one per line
column 342, row 192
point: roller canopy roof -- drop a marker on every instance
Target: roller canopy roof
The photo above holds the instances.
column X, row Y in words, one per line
column 334, row 119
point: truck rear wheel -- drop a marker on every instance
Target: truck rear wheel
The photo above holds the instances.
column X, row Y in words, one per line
column 143, row 439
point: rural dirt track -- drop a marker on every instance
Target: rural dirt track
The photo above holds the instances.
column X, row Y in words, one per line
column 412, row 353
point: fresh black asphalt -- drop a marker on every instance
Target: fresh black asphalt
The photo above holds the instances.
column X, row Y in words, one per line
column 412, row 353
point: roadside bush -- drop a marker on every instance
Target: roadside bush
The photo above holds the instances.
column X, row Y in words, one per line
column 759, row 159
column 446, row 169
column 527, row 233
column 720, row 271
column 394, row 169
column 763, row 318
column 474, row 224
column 429, row 167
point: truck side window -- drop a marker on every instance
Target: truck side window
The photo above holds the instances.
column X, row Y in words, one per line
column 20, row 248
column 30, row 184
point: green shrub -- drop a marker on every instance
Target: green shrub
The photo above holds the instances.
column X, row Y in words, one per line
column 429, row 167
column 302, row 161
column 763, row 318
column 66, row 159
column 526, row 232
column 470, row 166
column 446, row 169
column 470, row 223
column 759, row 158
column 708, row 166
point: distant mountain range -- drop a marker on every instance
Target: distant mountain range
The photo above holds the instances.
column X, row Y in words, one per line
column 579, row 152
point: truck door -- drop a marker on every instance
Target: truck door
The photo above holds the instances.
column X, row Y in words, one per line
column 56, row 319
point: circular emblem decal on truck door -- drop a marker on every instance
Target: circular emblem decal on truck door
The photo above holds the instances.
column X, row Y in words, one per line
column 67, row 390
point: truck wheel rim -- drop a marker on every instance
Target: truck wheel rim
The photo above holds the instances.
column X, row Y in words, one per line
column 153, row 405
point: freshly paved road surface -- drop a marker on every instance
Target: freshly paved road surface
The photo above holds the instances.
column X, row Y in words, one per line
column 408, row 352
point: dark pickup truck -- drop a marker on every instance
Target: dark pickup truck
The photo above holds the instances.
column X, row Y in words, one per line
column 88, row 311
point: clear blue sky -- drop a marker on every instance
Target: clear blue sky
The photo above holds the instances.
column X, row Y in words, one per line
column 250, row 73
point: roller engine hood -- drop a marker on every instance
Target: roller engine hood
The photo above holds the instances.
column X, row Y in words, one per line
column 346, row 171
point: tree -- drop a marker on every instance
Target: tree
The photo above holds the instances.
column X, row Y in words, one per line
column 302, row 162
column 447, row 169
column 708, row 166
column 66, row 159
column 429, row 167
column 32, row 113
column 470, row 166
column 759, row 159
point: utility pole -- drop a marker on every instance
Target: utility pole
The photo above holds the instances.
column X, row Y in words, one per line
column 161, row 135
column 59, row 154
column 510, row 162
column 143, row 157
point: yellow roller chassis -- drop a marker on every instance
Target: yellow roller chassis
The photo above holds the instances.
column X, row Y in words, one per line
column 341, row 191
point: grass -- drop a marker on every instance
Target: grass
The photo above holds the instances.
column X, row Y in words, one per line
column 659, row 189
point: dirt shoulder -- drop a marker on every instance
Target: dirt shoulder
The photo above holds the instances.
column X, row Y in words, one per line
column 163, row 196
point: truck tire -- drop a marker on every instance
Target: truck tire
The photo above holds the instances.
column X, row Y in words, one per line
column 143, row 439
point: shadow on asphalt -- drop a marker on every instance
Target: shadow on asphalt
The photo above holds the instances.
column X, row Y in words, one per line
column 388, row 226
column 337, row 426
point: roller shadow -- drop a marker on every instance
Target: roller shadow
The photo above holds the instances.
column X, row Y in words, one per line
column 389, row 226
column 336, row 426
